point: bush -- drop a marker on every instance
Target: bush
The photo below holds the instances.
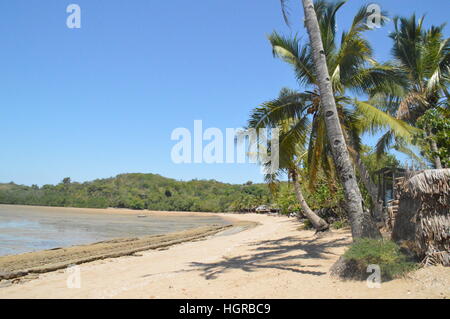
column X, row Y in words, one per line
column 306, row 225
column 385, row 253
column 339, row 224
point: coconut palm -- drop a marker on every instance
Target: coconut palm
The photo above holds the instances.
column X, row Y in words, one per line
column 329, row 70
column 294, row 130
column 422, row 56
column 353, row 69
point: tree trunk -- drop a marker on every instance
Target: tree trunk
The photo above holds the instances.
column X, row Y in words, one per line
column 318, row 223
column 372, row 189
column 360, row 221
column 437, row 160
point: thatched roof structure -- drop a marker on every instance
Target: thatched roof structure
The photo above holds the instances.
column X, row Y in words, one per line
column 423, row 219
column 429, row 182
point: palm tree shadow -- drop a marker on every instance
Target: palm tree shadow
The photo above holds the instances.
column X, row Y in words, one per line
column 274, row 254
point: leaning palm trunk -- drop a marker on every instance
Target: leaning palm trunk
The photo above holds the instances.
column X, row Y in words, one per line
column 371, row 187
column 360, row 221
column 318, row 223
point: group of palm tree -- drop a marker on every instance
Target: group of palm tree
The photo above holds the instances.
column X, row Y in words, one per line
column 321, row 123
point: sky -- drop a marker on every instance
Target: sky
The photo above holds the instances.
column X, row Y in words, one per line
column 104, row 99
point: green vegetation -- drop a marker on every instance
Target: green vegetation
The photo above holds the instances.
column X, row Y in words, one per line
column 423, row 57
column 374, row 162
column 385, row 253
column 306, row 225
column 323, row 195
column 140, row 191
column 155, row 192
column 304, row 128
column 435, row 135
column 292, row 146
column 340, row 224
column 406, row 99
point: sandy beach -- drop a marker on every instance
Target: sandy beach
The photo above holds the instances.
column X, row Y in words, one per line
column 25, row 229
column 270, row 260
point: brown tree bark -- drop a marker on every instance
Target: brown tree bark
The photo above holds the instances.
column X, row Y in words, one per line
column 360, row 221
column 318, row 223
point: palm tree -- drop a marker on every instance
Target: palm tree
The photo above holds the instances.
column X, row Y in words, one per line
column 294, row 130
column 423, row 58
column 353, row 69
column 349, row 70
column 367, row 118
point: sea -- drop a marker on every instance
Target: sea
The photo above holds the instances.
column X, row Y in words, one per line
column 30, row 228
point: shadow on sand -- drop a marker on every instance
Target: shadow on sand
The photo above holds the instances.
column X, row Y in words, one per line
column 284, row 254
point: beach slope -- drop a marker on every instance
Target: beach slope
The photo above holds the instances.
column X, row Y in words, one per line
column 271, row 260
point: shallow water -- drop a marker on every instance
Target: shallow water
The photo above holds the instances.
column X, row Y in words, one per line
column 24, row 229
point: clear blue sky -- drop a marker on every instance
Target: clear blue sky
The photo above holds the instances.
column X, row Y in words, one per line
column 101, row 100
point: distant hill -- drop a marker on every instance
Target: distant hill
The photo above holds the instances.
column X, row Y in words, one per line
column 140, row 191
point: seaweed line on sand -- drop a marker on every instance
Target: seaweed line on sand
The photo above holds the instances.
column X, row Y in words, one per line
column 15, row 266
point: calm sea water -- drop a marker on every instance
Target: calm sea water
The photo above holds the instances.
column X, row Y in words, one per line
column 24, row 229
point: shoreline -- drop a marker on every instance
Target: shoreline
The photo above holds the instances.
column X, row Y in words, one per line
column 114, row 210
column 92, row 215
column 272, row 260
column 43, row 261
column 21, row 265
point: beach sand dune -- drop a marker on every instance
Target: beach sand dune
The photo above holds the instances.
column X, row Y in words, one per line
column 271, row 260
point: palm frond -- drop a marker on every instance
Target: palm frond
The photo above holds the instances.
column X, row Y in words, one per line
column 378, row 78
column 402, row 147
column 377, row 120
column 285, row 11
column 289, row 105
column 292, row 52
column 384, row 143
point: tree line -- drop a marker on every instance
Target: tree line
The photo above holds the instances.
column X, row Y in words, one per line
column 138, row 191
column 155, row 192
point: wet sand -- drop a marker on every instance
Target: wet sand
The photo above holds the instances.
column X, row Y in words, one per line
column 112, row 222
column 271, row 260
column 33, row 228
column 16, row 266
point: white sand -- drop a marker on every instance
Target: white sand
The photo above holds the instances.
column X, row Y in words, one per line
column 272, row 260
